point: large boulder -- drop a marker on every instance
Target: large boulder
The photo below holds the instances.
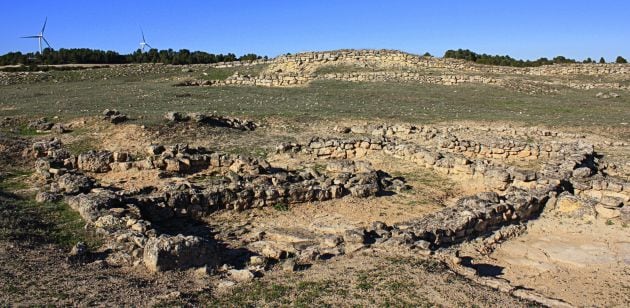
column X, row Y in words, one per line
column 73, row 184
column 168, row 252
column 498, row 179
column 93, row 205
column 573, row 206
column 364, row 190
column 93, row 161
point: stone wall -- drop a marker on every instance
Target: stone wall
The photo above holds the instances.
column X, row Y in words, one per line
column 396, row 66
column 401, row 60
column 130, row 218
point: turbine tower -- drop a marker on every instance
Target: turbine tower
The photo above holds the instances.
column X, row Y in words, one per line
column 40, row 37
column 144, row 41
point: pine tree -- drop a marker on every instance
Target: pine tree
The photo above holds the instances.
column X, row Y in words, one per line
column 620, row 59
column 602, row 60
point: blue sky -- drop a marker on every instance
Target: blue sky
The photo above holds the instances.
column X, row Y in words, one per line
column 522, row 29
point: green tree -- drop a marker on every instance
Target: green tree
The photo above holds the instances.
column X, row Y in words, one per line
column 620, row 59
column 602, row 60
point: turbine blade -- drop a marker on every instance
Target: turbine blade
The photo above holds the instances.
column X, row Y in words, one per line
column 32, row 36
column 149, row 46
column 44, row 27
column 142, row 31
column 46, row 42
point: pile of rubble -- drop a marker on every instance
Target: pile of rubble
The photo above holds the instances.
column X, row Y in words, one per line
column 43, row 125
column 211, row 120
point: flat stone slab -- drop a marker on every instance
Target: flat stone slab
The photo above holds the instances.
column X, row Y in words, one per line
column 546, row 253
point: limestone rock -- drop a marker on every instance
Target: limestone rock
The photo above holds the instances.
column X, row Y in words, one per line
column 364, row 190
column 167, row 252
column 73, row 184
column 356, row 236
column 340, row 166
column 606, row 212
column 272, row 252
column 573, row 206
column 257, row 261
column 44, row 196
column 582, row 172
column 497, row 179
column 95, row 161
column 611, row 202
column 331, row 241
column 92, row 205
column 243, row 275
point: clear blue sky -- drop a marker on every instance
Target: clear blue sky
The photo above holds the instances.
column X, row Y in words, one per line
column 522, row 29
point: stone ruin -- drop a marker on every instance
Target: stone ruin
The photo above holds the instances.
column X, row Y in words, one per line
column 129, row 217
column 161, row 224
column 396, row 66
column 568, row 179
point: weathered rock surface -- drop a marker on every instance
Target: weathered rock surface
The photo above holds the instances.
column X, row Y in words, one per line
column 94, row 161
column 166, row 252
column 72, row 184
column 94, row 204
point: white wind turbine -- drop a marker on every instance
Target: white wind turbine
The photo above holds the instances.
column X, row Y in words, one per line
column 40, row 37
column 144, row 42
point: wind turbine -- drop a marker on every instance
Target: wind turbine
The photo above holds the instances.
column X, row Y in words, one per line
column 144, row 42
column 40, row 37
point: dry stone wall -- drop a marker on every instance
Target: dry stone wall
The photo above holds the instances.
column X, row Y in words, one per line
column 196, row 181
column 131, row 218
column 396, row 66
column 401, row 60
column 568, row 180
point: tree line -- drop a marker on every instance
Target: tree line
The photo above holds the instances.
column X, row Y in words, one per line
column 468, row 55
column 185, row 56
column 94, row 56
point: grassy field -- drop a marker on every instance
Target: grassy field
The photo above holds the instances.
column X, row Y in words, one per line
column 150, row 96
column 27, row 222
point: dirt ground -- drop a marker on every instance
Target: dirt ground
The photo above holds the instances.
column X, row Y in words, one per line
column 586, row 263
